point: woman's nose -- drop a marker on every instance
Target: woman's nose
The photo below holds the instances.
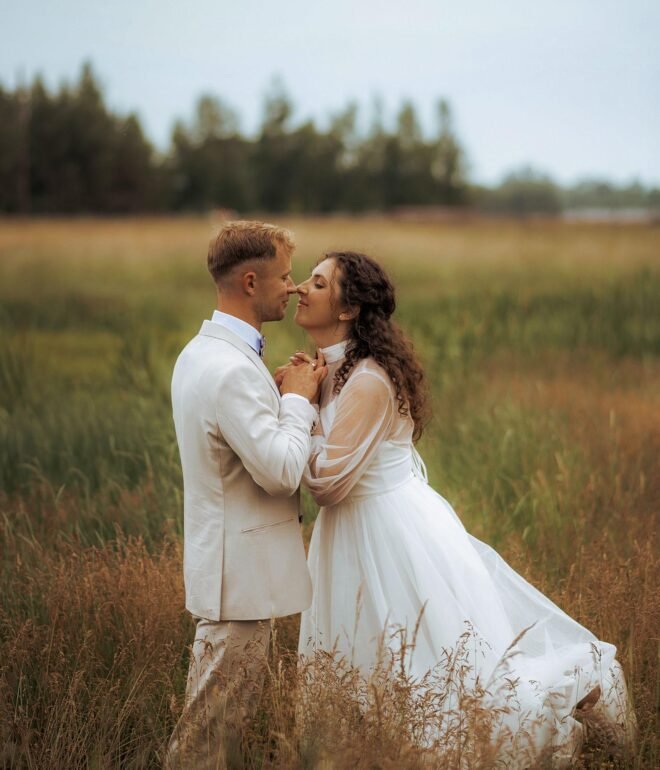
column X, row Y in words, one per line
column 301, row 288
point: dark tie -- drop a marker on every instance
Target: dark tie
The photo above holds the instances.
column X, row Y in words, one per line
column 262, row 345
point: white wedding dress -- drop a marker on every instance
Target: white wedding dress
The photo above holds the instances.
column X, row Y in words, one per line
column 386, row 546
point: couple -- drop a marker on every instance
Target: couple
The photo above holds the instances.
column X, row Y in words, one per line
column 387, row 551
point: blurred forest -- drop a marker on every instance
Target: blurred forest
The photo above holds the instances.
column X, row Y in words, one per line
column 65, row 151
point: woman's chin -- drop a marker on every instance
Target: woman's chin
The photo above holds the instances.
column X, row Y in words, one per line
column 298, row 319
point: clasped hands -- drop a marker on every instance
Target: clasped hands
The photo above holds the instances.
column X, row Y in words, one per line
column 302, row 375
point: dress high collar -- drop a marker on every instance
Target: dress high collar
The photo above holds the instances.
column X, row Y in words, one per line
column 335, row 352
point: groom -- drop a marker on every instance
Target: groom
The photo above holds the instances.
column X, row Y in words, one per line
column 243, row 449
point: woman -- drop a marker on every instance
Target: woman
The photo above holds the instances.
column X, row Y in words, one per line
column 389, row 558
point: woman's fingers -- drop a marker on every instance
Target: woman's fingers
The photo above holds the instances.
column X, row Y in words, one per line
column 300, row 357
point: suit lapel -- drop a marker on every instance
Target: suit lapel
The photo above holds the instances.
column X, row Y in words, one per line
column 210, row 329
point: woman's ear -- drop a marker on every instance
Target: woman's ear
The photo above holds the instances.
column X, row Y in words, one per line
column 350, row 315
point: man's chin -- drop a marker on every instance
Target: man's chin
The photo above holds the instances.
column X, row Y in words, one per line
column 276, row 316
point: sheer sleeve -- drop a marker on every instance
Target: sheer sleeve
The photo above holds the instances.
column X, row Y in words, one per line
column 365, row 411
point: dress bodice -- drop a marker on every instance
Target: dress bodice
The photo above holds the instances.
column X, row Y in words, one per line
column 364, row 447
column 391, row 466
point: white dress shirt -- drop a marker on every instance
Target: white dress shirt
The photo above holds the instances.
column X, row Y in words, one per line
column 245, row 331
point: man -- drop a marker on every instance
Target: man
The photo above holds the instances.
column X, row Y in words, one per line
column 243, row 450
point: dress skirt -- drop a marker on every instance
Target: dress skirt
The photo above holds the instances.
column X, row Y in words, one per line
column 398, row 568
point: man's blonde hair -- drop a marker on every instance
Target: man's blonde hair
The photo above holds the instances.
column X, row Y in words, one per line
column 244, row 241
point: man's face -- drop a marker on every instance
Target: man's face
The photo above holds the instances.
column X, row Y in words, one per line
column 274, row 286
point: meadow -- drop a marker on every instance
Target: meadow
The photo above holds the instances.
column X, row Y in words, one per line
column 542, row 344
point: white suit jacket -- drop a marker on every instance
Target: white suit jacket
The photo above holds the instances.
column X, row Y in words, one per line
column 243, row 451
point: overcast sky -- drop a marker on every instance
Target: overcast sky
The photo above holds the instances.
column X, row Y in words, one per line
column 569, row 86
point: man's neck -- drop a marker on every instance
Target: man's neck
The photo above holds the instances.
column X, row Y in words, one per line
column 239, row 310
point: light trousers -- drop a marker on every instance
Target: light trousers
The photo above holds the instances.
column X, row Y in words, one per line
column 225, row 678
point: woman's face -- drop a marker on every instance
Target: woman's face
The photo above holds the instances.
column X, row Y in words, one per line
column 319, row 305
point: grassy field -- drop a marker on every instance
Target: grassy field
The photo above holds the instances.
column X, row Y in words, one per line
column 542, row 345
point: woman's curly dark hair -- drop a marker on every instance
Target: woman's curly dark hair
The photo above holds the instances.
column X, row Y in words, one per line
column 363, row 283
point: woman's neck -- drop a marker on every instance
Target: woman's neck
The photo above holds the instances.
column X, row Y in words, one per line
column 325, row 338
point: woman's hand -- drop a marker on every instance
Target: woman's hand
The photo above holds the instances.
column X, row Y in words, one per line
column 300, row 357
column 317, row 363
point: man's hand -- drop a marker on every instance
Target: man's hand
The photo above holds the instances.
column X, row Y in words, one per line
column 280, row 372
column 299, row 357
column 303, row 378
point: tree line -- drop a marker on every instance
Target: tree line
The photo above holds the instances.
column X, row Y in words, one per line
column 64, row 151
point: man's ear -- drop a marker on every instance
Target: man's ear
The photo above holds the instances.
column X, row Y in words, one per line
column 249, row 282
column 350, row 314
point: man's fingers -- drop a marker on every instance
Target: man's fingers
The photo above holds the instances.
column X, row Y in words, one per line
column 280, row 373
column 303, row 379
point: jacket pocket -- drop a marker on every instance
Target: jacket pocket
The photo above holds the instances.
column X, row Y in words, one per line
column 267, row 526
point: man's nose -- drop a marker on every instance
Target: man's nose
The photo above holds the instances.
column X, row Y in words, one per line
column 291, row 287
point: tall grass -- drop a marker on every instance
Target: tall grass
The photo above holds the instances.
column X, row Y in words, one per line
column 541, row 343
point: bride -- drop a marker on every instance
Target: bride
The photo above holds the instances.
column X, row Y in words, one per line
column 388, row 552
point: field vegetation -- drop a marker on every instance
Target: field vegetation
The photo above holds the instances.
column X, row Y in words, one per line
column 542, row 345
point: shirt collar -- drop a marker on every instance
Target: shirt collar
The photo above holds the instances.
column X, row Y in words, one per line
column 244, row 330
